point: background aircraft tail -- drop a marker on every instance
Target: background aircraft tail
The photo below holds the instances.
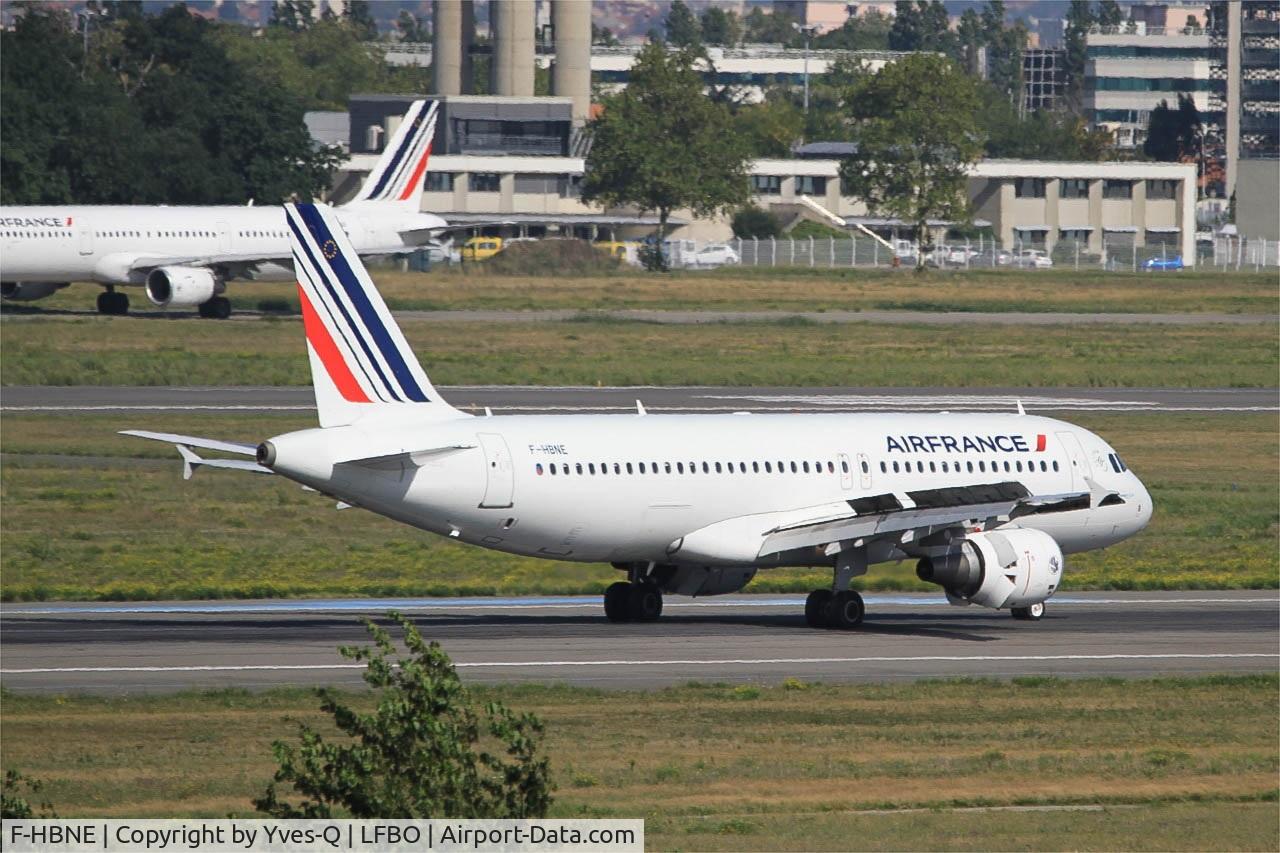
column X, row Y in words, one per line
column 360, row 361
column 398, row 177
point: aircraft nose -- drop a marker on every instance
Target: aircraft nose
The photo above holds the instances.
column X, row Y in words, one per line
column 1146, row 507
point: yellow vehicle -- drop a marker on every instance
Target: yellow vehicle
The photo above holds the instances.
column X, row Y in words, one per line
column 479, row 248
column 623, row 251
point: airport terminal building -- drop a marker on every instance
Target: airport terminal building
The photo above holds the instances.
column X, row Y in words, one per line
column 518, row 159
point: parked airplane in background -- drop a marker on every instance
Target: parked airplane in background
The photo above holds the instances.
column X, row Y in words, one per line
column 184, row 256
column 685, row 504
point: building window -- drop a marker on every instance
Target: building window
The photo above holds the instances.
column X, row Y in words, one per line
column 766, row 184
column 1029, row 188
column 1117, row 189
column 1162, row 189
column 535, row 184
column 1073, row 188
column 1078, row 235
column 811, row 185
column 440, row 182
column 485, row 182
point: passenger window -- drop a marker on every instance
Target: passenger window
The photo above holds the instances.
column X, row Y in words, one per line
column 866, row 469
column 680, row 467
column 538, row 468
column 629, row 471
column 933, row 467
column 768, row 468
column 718, row 468
column 831, row 468
column 884, row 468
column 1055, row 464
column 667, row 467
column 944, row 467
column 755, row 467
column 706, row 469
column 982, row 466
column 844, row 466
column 591, row 466
column 1018, row 465
column 579, row 467
column 895, row 467
column 805, row 466
column 969, row 466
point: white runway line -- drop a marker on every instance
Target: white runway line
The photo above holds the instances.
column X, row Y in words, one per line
column 718, row 662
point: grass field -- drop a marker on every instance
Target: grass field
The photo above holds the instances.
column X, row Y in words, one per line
column 89, row 514
column 1177, row 764
column 125, row 351
column 798, row 289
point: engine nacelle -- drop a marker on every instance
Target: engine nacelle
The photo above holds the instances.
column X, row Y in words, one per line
column 29, row 291
column 181, row 287
column 998, row 569
column 702, row 580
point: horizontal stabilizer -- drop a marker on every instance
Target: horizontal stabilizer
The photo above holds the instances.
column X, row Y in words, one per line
column 191, row 461
column 195, row 441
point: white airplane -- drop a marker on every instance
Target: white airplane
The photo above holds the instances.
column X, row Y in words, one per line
column 685, row 504
column 184, row 256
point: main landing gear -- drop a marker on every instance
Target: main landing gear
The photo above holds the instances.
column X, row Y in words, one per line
column 839, row 607
column 217, row 308
column 112, row 303
column 639, row 601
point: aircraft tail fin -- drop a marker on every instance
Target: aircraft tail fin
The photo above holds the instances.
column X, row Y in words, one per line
column 398, row 176
column 360, row 361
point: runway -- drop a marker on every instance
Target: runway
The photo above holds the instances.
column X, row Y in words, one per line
column 529, row 399
column 115, row 648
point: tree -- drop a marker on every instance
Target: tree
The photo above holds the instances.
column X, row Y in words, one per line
column 603, row 36
column 720, row 27
column 1078, row 21
column 1004, row 49
column 662, row 145
column 907, row 32
column 357, row 16
column 970, row 38
column 1109, row 14
column 1173, row 133
column 752, row 221
column 15, row 803
column 292, row 15
column 913, row 125
column 868, row 31
column 778, row 27
column 682, row 27
column 411, row 29
column 423, row 752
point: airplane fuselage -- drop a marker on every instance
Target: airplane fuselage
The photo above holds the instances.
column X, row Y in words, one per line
column 618, row 488
column 69, row 243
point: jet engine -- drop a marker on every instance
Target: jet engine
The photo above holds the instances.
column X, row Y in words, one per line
column 998, row 569
column 29, row 291
column 181, row 287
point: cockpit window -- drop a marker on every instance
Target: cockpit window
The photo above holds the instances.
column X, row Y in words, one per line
column 1116, row 463
column 1111, row 500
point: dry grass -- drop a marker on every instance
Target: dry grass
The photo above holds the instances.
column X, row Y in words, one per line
column 787, row 289
column 89, row 514
column 715, row 767
column 129, row 351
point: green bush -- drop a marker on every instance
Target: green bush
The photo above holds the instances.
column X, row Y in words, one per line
column 752, row 221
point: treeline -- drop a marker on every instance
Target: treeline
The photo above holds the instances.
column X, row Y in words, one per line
column 774, row 126
column 113, row 106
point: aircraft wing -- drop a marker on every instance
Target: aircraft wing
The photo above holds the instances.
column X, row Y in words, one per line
column 145, row 263
column 921, row 512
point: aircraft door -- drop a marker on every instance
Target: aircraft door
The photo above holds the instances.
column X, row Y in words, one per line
column 846, row 472
column 86, row 240
column 500, row 481
column 1079, row 462
column 864, row 470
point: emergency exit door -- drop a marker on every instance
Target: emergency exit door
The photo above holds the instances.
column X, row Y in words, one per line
column 500, row 482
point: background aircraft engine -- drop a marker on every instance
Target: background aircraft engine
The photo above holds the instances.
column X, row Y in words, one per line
column 999, row 568
column 181, row 287
column 703, row 580
column 29, row 291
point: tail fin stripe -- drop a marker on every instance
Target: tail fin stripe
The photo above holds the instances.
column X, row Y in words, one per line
column 373, row 323
column 417, row 174
column 407, row 164
column 322, row 342
column 349, row 323
column 410, row 138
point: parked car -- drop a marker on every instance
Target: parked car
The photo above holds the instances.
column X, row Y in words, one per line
column 711, row 256
column 1003, row 258
column 959, row 255
column 442, row 253
column 1155, row 264
column 480, row 248
column 1033, row 259
column 905, row 250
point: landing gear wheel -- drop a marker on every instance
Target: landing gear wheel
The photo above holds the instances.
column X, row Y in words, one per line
column 1034, row 613
column 815, row 608
column 644, row 602
column 846, row 610
column 112, row 303
column 615, row 601
column 217, row 308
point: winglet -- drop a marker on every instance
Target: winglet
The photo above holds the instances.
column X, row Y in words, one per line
column 1021, row 410
column 640, row 408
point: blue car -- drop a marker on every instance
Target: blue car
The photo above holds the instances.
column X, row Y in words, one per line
column 1163, row 263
